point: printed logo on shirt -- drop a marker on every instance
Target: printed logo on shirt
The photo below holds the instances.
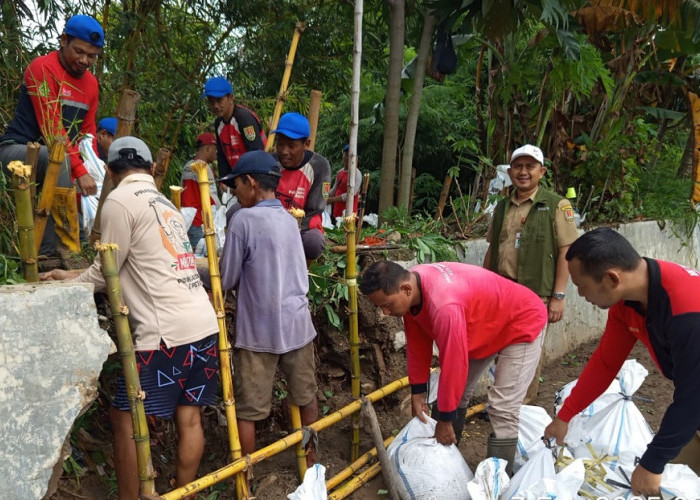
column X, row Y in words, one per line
column 691, row 271
column 300, row 193
column 172, row 233
column 633, row 329
column 249, row 132
column 326, row 189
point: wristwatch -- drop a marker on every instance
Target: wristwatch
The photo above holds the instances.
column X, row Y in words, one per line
column 559, row 295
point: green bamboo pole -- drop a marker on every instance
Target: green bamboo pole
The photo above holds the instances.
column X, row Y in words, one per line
column 200, row 168
column 120, row 315
column 176, row 197
column 57, row 153
column 25, row 219
column 281, row 96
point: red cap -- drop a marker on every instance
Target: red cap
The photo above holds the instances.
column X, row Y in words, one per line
column 205, row 139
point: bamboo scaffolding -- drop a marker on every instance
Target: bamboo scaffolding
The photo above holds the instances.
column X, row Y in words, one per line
column 125, row 121
column 281, row 445
column 300, row 453
column 25, row 220
column 176, row 196
column 57, row 153
column 200, row 168
column 282, row 95
column 162, row 164
column 356, row 482
column 120, row 315
column 33, row 149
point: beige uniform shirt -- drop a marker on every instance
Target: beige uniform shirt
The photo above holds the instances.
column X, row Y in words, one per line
column 564, row 229
column 157, row 272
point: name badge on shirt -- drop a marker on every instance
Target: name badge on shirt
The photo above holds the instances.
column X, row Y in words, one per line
column 517, row 239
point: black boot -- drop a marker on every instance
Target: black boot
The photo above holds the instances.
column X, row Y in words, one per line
column 458, row 424
column 503, row 448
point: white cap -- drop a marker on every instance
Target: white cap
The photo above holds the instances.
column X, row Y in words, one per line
column 528, row 150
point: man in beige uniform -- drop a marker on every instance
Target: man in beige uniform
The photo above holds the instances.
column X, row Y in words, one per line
column 529, row 235
column 173, row 322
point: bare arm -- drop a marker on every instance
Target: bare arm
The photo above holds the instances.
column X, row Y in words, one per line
column 555, row 307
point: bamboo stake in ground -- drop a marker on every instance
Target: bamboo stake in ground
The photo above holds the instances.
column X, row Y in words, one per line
column 282, row 95
column 314, row 111
column 33, row 149
column 120, row 315
column 25, row 219
column 57, row 152
column 299, row 449
column 397, row 490
column 354, row 336
column 176, row 196
column 162, row 164
column 200, row 168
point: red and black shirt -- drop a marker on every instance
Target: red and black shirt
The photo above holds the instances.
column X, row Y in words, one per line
column 242, row 133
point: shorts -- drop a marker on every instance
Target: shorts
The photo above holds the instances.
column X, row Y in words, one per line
column 254, row 379
column 180, row 376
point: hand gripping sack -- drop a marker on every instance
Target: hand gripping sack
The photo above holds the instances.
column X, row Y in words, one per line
column 429, row 470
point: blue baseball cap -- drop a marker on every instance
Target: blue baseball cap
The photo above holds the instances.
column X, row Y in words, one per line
column 86, row 29
column 253, row 162
column 217, row 87
column 294, row 126
column 109, row 124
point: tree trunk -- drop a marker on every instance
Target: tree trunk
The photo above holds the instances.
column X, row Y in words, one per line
column 686, row 166
column 414, row 110
column 391, row 105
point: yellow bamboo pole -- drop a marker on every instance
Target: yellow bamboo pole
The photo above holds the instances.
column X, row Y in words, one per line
column 300, row 453
column 57, row 152
column 176, row 196
column 281, row 96
column 314, row 111
column 33, row 149
column 354, row 467
column 200, row 168
column 120, row 315
column 25, row 219
column 354, row 337
column 356, row 482
column 281, row 445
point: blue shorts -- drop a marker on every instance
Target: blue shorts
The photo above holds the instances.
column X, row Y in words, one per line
column 180, row 376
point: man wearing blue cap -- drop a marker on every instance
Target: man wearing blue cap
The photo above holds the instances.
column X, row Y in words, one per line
column 58, row 99
column 106, row 132
column 263, row 257
column 306, row 180
column 237, row 128
column 174, row 324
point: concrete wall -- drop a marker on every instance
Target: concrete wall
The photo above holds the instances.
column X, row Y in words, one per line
column 582, row 321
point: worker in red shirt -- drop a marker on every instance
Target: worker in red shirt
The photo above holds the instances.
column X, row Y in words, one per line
column 472, row 315
column 339, row 192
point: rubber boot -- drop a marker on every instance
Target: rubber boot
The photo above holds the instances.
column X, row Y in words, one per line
column 503, row 448
column 458, row 424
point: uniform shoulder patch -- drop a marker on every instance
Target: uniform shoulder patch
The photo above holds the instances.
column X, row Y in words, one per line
column 326, row 189
column 568, row 212
column 249, row 132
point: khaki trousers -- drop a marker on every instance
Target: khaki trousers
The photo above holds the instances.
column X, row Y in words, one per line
column 515, row 366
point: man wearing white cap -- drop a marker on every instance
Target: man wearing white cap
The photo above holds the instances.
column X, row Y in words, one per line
column 529, row 235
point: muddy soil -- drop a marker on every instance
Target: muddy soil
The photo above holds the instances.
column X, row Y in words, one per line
column 276, row 477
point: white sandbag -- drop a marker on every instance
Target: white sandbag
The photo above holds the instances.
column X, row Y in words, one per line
column 428, row 469
column 314, row 485
column 617, row 428
column 490, row 480
column 677, row 481
column 533, row 420
column 96, row 168
column 219, row 214
column 537, row 479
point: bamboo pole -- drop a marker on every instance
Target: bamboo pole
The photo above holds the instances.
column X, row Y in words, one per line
column 355, row 483
column 33, row 149
column 443, row 197
column 125, row 121
column 57, row 153
column 354, row 467
column 361, row 207
column 314, row 111
column 25, row 219
column 349, row 223
column 281, row 96
column 281, row 445
column 300, row 453
column 200, row 168
column 162, row 164
column 176, row 196
column 120, row 315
